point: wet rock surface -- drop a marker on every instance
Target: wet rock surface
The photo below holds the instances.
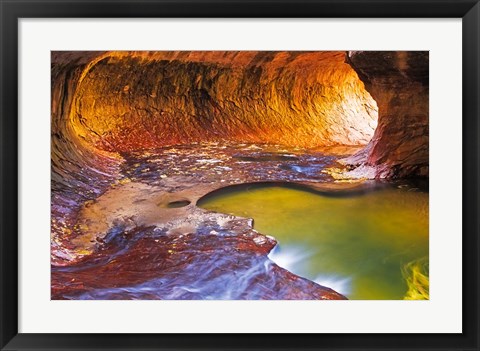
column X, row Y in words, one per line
column 196, row 265
column 145, row 238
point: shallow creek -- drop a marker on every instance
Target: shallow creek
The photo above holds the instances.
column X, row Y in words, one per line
column 177, row 224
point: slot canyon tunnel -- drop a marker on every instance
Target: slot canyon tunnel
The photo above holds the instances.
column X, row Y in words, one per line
column 111, row 109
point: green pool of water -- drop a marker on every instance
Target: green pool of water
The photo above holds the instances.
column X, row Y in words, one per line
column 356, row 244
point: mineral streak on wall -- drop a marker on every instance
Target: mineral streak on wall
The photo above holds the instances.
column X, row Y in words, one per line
column 399, row 83
column 136, row 100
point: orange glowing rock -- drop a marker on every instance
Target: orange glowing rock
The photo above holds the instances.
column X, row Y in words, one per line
column 136, row 100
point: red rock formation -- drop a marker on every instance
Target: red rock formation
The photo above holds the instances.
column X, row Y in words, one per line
column 136, row 100
column 398, row 81
column 79, row 171
column 189, row 267
column 123, row 101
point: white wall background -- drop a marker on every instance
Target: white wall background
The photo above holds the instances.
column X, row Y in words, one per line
column 441, row 314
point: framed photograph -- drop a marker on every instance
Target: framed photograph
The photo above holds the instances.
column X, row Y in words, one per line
column 239, row 175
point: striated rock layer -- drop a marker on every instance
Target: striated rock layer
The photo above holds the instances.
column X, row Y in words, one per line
column 136, row 100
column 398, row 81
column 79, row 172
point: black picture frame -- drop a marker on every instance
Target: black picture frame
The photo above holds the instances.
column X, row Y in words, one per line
column 11, row 11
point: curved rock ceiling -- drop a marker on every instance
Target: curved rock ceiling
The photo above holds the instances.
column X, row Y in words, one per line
column 135, row 100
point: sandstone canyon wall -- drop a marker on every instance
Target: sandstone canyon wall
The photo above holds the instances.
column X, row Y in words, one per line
column 399, row 83
column 136, row 100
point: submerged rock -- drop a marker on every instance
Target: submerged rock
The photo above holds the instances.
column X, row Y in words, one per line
column 188, row 266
